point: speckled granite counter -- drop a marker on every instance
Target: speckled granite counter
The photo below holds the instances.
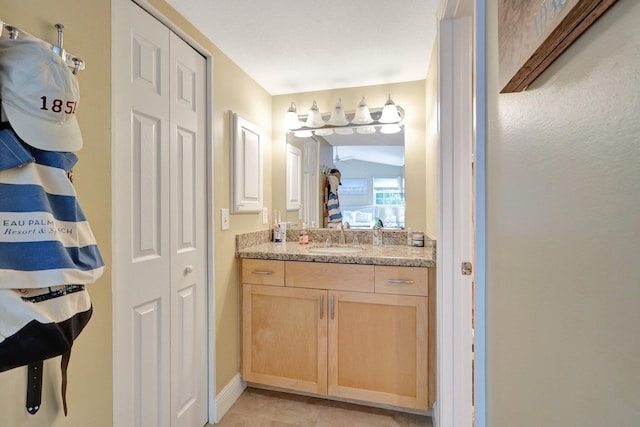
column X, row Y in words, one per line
column 399, row 255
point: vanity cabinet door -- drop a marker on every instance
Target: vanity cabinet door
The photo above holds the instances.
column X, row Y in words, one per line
column 378, row 348
column 285, row 337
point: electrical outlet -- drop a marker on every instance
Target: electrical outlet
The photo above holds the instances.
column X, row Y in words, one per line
column 265, row 216
column 224, row 219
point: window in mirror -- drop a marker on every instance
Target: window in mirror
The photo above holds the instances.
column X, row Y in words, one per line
column 373, row 187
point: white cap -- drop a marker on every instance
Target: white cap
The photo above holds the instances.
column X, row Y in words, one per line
column 39, row 95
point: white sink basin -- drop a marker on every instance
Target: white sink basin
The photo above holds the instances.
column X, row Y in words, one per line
column 335, row 250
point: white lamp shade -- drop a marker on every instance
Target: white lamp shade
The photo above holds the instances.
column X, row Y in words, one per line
column 291, row 120
column 323, row 132
column 366, row 130
column 390, row 113
column 303, row 134
column 343, row 131
column 338, row 117
column 314, row 118
column 390, row 129
column 363, row 116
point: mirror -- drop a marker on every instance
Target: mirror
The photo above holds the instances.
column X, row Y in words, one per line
column 372, row 177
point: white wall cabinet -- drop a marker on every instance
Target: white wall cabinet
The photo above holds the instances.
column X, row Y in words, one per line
column 246, row 165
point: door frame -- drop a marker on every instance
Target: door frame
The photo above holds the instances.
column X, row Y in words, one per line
column 462, row 117
column 116, row 9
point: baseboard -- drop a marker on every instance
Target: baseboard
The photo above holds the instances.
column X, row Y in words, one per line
column 435, row 419
column 229, row 394
column 422, row 412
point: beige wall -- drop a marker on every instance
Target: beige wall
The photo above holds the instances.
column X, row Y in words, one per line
column 90, row 385
column 563, row 210
column 87, row 25
column 409, row 95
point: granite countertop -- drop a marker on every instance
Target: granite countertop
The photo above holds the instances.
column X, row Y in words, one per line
column 399, row 255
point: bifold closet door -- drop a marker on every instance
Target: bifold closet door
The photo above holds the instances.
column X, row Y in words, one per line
column 188, row 236
column 159, row 257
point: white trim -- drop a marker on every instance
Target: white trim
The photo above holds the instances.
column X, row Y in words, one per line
column 211, row 271
column 454, row 307
column 228, row 396
column 480, row 87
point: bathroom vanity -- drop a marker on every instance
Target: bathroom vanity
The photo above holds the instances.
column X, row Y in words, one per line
column 356, row 324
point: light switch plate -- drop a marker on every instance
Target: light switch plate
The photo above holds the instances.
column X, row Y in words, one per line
column 265, row 215
column 224, row 219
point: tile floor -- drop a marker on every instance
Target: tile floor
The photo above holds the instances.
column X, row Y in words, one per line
column 262, row 408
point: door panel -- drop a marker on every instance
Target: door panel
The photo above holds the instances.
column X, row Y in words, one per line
column 188, row 236
column 145, row 187
column 186, row 174
column 141, row 211
column 381, row 334
column 276, row 318
column 147, row 338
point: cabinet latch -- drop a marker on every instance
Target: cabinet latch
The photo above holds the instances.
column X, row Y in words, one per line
column 467, row 268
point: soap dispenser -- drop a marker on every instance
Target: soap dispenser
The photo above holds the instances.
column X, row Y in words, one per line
column 377, row 232
column 304, row 235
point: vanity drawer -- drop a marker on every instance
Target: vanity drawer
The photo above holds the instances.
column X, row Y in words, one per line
column 263, row 272
column 324, row 275
column 402, row 280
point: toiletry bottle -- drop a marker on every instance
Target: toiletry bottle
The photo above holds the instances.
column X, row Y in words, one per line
column 377, row 233
column 304, row 235
column 276, row 227
column 282, row 226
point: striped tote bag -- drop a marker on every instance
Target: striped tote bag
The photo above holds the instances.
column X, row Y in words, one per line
column 48, row 254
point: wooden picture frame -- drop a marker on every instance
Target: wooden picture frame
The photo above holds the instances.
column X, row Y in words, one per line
column 533, row 33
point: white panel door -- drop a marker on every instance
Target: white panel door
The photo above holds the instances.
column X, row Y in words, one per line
column 159, row 256
column 188, row 236
column 142, row 255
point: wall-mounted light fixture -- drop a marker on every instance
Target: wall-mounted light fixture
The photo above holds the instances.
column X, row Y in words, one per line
column 363, row 120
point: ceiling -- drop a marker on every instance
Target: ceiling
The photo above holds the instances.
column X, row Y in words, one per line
column 291, row 46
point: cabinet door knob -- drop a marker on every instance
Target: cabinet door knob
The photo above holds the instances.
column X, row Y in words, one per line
column 188, row 269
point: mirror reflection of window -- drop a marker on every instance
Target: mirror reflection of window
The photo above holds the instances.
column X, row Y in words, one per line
column 373, row 187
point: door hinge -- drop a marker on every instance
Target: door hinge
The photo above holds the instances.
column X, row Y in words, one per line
column 467, row 268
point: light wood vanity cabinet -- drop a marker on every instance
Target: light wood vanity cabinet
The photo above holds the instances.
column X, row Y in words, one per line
column 285, row 337
column 346, row 330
